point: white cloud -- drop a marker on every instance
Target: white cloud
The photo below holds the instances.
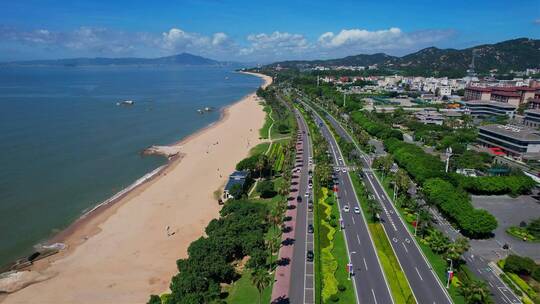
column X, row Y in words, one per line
column 360, row 36
column 96, row 41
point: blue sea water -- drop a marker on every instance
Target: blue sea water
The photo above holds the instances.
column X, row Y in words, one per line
column 66, row 146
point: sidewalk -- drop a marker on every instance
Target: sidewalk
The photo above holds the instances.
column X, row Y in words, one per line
column 282, row 279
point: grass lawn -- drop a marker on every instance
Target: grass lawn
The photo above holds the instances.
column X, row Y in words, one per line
column 243, row 292
column 401, row 292
column 259, row 149
column 263, row 132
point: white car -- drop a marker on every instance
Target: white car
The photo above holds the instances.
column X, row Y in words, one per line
column 310, row 186
column 307, row 194
column 346, row 208
column 337, row 169
column 356, row 210
column 344, row 170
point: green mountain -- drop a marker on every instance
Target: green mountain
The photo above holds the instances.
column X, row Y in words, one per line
column 518, row 54
column 180, row 59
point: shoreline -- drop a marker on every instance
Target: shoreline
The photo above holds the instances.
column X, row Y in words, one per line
column 89, row 223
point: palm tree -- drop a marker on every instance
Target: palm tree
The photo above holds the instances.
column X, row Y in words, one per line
column 438, row 242
column 260, row 279
column 402, row 180
column 457, row 248
column 374, row 208
column 475, row 292
column 262, row 161
column 425, row 219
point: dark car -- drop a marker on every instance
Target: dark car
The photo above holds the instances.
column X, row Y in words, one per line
column 299, row 199
column 310, row 208
column 310, row 228
column 310, row 256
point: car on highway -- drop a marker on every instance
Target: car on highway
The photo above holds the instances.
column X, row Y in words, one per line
column 310, row 186
column 307, row 194
column 310, row 207
column 346, row 208
column 310, row 256
column 310, row 228
column 337, row 169
column 356, row 210
column 299, row 199
column 344, row 170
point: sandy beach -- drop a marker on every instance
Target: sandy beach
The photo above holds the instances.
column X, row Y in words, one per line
column 124, row 252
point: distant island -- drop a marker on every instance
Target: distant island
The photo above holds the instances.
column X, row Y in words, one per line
column 517, row 55
column 180, row 59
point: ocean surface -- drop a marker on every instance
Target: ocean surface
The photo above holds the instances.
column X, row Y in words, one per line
column 65, row 145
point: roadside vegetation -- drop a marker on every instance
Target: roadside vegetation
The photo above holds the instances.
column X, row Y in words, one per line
column 526, row 232
column 522, row 274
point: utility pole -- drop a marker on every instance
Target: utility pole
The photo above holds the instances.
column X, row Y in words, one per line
column 317, row 80
column 344, row 99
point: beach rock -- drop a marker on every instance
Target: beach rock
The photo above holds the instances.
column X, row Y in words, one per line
column 167, row 151
column 13, row 281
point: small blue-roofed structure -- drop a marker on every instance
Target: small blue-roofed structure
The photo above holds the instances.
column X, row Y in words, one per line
column 236, row 178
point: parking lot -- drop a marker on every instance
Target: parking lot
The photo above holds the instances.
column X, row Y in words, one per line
column 509, row 212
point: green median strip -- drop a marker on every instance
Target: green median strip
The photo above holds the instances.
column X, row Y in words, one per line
column 401, row 292
column 399, row 286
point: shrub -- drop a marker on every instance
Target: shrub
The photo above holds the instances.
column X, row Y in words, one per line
column 496, row 185
column 266, row 189
column 341, row 287
column 334, row 298
column 519, row 265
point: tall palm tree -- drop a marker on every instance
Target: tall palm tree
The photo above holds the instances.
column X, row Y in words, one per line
column 260, row 279
column 475, row 292
column 262, row 161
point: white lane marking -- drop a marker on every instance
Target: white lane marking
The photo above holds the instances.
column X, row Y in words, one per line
column 374, row 297
column 365, row 264
column 418, row 272
column 404, row 247
column 352, row 217
column 358, row 238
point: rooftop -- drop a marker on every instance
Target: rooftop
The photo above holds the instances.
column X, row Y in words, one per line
column 517, row 132
column 490, row 103
column 505, row 94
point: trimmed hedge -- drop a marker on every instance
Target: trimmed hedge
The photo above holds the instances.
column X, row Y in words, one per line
column 376, row 128
column 420, row 165
column 496, row 185
column 456, row 205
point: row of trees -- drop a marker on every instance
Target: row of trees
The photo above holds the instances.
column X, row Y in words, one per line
column 239, row 232
column 456, row 205
column 374, row 127
column 419, row 164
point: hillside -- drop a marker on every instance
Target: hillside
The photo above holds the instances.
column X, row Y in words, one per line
column 518, row 54
column 180, row 59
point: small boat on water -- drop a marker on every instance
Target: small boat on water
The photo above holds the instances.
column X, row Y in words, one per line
column 125, row 103
column 205, row 109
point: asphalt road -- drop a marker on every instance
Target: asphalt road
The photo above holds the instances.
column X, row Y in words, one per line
column 480, row 266
column 425, row 286
column 369, row 280
column 302, row 286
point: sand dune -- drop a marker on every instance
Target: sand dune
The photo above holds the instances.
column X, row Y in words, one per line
column 124, row 253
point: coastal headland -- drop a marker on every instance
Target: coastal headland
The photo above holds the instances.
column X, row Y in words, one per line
column 127, row 249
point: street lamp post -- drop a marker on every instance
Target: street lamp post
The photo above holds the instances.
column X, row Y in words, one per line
column 350, row 265
column 417, row 222
column 450, row 274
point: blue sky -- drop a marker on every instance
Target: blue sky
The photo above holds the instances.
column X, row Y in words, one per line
column 255, row 30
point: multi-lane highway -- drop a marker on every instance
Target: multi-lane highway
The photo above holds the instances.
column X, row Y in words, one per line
column 369, row 280
column 425, row 285
column 302, row 286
